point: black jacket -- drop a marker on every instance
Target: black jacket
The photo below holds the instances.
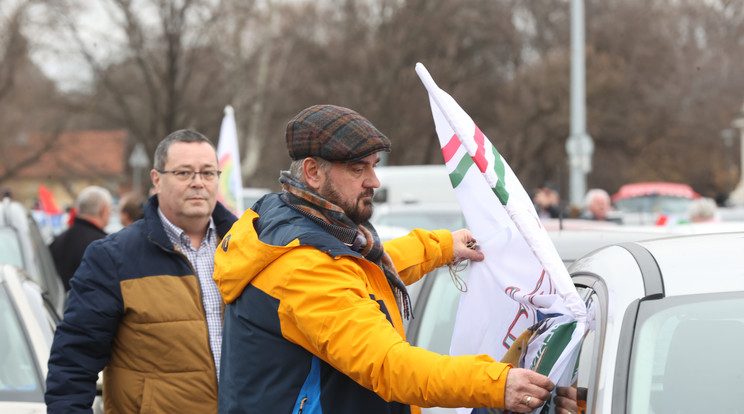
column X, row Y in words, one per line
column 68, row 248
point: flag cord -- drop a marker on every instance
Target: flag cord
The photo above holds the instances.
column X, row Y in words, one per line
column 459, row 264
column 458, row 280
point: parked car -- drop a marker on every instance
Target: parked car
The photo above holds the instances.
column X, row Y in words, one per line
column 251, row 195
column 669, row 321
column 644, row 202
column 397, row 220
column 22, row 244
column 27, row 323
column 414, row 184
column 669, row 325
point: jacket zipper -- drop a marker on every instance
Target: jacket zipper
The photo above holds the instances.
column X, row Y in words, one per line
column 302, row 404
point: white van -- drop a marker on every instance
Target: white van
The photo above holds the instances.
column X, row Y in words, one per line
column 409, row 184
column 251, row 195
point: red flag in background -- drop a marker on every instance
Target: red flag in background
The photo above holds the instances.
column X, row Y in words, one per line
column 46, row 198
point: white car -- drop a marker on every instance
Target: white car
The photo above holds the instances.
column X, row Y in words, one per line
column 669, row 325
column 669, row 320
column 27, row 324
column 22, row 244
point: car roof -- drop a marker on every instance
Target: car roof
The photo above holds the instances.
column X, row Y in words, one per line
column 573, row 244
column 671, row 266
column 700, row 263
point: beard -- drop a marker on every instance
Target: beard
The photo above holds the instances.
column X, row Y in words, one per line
column 358, row 210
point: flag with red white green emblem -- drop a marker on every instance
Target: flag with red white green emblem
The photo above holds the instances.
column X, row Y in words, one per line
column 522, row 281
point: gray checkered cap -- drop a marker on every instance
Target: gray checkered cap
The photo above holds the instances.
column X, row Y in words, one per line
column 333, row 133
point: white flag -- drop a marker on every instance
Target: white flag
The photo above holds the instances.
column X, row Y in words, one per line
column 231, row 181
column 523, row 279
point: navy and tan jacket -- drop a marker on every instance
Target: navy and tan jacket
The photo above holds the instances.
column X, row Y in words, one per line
column 313, row 327
column 136, row 309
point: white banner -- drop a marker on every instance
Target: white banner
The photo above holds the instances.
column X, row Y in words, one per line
column 231, row 181
column 523, row 279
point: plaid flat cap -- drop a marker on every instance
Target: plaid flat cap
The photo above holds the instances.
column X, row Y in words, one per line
column 333, row 133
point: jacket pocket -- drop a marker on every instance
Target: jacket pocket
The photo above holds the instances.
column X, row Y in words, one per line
column 147, row 393
column 302, row 405
column 308, row 400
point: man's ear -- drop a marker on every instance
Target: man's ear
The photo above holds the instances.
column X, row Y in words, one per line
column 314, row 175
column 155, row 177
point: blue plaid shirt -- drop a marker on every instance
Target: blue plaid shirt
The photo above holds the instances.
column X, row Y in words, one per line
column 202, row 260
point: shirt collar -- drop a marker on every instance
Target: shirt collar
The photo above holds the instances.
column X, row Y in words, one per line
column 177, row 235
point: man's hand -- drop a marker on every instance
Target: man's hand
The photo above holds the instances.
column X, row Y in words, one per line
column 526, row 390
column 565, row 401
column 461, row 251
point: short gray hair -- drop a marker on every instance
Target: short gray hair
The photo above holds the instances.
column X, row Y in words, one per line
column 182, row 135
column 702, row 209
column 91, row 199
column 295, row 168
column 595, row 192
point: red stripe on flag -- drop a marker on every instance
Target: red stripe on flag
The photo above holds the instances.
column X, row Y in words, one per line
column 450, row 149
column 480, row 153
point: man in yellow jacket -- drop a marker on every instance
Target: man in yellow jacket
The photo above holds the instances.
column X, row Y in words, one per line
column 315, row 303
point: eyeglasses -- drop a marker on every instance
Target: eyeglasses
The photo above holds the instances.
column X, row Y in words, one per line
column 185, row 175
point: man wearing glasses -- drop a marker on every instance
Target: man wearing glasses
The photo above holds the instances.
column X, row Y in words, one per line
column 143, row 306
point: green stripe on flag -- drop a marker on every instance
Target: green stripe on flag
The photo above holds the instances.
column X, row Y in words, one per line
column 458, row 174
column 498, row 167
column 554, row 346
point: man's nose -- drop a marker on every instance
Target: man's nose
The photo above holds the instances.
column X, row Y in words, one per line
column 197, row 179
column 372, row 181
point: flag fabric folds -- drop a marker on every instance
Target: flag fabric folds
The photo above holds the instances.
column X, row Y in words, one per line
column 231, row 181
column 522, row 281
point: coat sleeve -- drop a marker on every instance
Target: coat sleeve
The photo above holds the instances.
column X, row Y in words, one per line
column 82, row 341
column 420, row 252
column 327, row 309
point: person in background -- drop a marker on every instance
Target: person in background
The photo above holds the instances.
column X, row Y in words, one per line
column 596, row 205
column 702, row 210
column 131, row 208
column 548, row 202
column 143, row 306
column 93, row 208
column 315, row 302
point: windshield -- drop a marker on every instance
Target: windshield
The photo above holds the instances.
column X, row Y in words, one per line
column 10, row 248
column 654, row 204
column 19, row 376
column 686, row 350
column 430, row 220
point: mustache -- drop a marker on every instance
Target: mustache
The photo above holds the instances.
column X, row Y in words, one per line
column 367, row 193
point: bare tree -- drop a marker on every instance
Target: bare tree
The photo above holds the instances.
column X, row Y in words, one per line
column 662, row 76
column 28, row 99
column 163, row 68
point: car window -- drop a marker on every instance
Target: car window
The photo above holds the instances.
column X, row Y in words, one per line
column 44, row 312
column 430, row 220
column 10, row 248
column 19, row 376
column 686, row 349
column 50, row 282
column 654, row 204
column 436, row 310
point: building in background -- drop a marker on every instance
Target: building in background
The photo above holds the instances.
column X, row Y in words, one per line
column 72, row 161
